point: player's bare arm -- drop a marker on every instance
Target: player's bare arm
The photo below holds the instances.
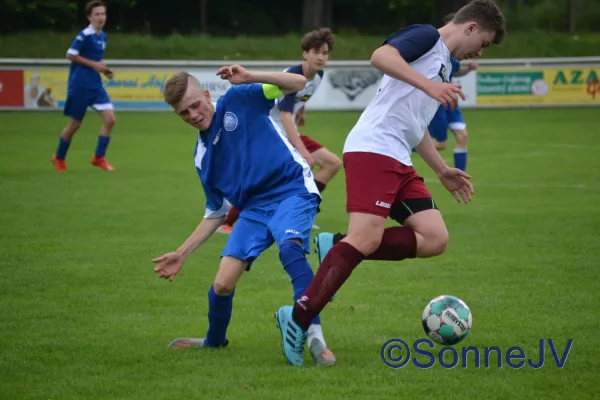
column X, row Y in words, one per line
column 389, row 61
column 300, row 119
column 456, row 181
column 170, row 264
column 292, row 133
column 287, row 82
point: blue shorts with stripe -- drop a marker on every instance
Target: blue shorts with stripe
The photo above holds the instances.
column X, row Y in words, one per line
column 78, row 101
column 257, row 229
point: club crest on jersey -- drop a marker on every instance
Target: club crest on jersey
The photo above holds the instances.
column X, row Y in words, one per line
column 230, row 121
column 443, row 73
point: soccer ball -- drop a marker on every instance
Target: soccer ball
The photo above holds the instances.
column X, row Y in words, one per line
column 447, row 320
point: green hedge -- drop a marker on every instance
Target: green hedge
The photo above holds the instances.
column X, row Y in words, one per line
column 348, row 46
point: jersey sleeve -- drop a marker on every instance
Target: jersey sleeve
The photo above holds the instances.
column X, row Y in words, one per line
column 77, row 45
column 216, row 205
column 262, row 96
column 287, row 103
column 414, row 41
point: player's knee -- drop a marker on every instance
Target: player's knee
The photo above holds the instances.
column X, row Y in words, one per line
column 74, row 125
column 365, row 232
column 291, row 251
column 436, row 241
column 223, row 287
column 330, row 162
column 365, row 243
column 335, row 164
column 110, row 120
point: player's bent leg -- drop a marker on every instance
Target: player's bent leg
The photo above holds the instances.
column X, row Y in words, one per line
column 365, row 232
column 329, row 165
column 290, row 227
column 431, row 232
column 228, row 275
column 220, row 305
column 293, row 259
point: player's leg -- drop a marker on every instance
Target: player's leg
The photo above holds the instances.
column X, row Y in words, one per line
column 457, row 125
column 101, row 103
column 248, row 239
column 75, row 108
column 220, row 307
column 290, row 227
column 438, row 128
column 371, row 186
column 423, row 232
column 329, row 164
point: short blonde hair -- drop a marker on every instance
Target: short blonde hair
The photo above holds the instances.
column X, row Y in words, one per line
column 176, row 87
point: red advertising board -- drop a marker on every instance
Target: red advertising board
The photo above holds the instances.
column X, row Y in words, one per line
column 11, row 88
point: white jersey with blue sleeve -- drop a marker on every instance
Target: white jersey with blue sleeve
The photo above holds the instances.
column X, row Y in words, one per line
column 395, row 120
column 293, row 102
column 90, row 45
column 244, row 159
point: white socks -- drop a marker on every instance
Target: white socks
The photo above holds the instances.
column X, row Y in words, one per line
column 315, row 332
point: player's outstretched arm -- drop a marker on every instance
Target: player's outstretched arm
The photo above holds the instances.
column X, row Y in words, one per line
column 456, row 181
column 286, row 81
column 170, row 264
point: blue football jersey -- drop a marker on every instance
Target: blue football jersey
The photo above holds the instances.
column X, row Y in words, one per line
column 292, row 102
column 90, row 45
column 244, row 157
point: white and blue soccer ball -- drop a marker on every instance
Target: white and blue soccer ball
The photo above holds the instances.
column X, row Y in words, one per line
column 447, row 320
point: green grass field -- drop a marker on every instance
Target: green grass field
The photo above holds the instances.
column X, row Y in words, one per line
column 84, row 316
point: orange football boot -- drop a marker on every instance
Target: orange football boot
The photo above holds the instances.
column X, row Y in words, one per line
column 101, row 162
column 59, row 163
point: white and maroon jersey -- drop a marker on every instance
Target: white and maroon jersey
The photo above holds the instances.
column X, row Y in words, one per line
column 292, row 102
column 395, row 120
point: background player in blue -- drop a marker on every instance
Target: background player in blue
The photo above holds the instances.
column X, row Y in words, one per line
column 85, row 87
column 452, row 119
column 244, row 159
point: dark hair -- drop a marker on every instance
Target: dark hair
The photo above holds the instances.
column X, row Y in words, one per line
column 317, row 38
column 488, row 16
column 89, row 7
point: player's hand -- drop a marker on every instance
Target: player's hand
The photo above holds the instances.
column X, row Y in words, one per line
column 446, row 94
column 458, row 183
column 169, row 265
column 236, row 74
column 473, row 66
column 109, row 73
column 100, row 67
